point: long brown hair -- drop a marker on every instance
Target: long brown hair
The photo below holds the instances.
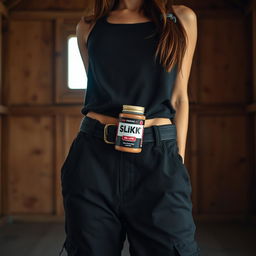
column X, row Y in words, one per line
column 172, row 40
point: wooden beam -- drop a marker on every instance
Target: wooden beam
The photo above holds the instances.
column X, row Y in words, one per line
column 3, row 9
column 254, row 4
column 254, row 47
column 249, row 7
column 3, row 110
column 12, row 4
column 52, row 15
column 239, row 3
column 251, row 108
column 48, row 15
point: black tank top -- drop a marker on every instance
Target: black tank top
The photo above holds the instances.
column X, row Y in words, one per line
column 122, row 70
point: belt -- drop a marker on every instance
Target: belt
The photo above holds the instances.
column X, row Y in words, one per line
column 107, row 132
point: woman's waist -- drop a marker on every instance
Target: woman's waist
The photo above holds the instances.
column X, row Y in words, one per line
column 106, row 119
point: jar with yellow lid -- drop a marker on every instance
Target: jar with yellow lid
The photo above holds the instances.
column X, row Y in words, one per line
column 130, row 130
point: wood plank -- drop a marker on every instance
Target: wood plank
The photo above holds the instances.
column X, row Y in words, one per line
column 1, row 62
column 4, row 110
column 254, row 50
column 4, row 59
column 224, row 173
column 59, row 153
column 4, row 163
column 251, row 107
column 224, row 52
column 30, row 66
column 12, row 3
column 45, row 15
column 55, row 5
column 3, row 10
column 30, row 165
column 1, row 166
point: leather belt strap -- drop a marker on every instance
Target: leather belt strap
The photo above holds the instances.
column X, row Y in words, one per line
column 108, row 131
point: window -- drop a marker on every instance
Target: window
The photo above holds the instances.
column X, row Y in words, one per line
column 77, row 78
column 70, row 76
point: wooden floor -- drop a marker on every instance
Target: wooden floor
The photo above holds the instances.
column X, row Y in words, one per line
column 41, row 239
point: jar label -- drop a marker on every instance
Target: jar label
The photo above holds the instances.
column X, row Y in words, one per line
column 130, row 132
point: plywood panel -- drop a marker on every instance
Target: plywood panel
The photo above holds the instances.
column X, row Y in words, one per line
column 30, row 68
column 30, row 164
column 224, row 174
column 224, row 69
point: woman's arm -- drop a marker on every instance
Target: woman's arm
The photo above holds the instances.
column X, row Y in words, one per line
column 82, row 31
column 179, row 98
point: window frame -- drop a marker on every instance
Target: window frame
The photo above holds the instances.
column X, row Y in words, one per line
column 65, row 28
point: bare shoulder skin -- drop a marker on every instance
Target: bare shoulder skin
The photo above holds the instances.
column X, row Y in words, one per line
column 82, row 31
column 179, row 98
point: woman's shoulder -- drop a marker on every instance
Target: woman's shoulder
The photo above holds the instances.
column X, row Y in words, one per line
column 85, row 22
column 84, row 26
column 184, row 13
column 187, row 17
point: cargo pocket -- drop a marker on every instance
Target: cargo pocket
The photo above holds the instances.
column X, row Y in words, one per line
column 177, row 154
column 179, row 160
column 176, row 164
column 186, row 250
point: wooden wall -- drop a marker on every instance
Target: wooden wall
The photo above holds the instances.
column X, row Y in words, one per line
column 38, row 126
column 3, row 108
column 251, row 107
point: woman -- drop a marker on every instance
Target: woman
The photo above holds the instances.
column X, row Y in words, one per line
column 136, row 53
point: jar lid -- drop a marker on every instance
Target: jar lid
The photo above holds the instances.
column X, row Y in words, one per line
column 133, row 108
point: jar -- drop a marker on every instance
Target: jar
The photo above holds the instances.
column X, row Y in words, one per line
column 130, row 129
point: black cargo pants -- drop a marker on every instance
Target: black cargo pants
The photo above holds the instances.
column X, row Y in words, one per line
column 109, row 193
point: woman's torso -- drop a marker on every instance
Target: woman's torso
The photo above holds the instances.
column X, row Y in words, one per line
column 122, row 69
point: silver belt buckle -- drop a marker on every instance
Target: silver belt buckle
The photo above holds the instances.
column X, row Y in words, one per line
column 106, row 133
